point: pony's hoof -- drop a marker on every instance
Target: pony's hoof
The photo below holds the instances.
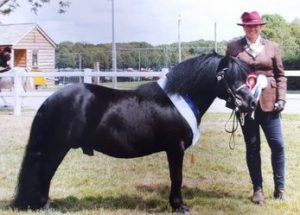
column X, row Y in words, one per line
column 182, row 209
column 46, row 206
column 18, row 207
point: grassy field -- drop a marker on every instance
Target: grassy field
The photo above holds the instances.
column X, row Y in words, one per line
column 216, row 180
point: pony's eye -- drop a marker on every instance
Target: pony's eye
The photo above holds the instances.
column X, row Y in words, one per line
column 251, row 81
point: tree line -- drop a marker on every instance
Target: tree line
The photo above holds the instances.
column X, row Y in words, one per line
column 135, row 55
column 144, row 55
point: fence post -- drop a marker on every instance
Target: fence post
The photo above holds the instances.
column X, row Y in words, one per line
column 17, row 92
column 96, row 80
column 87, row 76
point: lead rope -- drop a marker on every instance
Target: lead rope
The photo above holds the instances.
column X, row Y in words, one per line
column 233, row 129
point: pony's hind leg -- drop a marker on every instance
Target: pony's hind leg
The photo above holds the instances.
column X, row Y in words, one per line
column 36, row 172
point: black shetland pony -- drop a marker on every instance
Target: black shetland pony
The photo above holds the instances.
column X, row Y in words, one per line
column 127, row 123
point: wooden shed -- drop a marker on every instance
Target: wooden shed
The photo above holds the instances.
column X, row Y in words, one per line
column 31, row 47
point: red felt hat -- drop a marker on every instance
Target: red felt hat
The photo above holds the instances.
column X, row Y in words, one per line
column 251, row 18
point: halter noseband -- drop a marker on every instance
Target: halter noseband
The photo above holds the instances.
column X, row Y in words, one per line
column 232, row 93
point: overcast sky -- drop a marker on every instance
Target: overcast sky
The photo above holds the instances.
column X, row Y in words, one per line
column 152, row 21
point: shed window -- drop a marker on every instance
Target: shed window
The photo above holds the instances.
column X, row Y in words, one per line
column 35, row 58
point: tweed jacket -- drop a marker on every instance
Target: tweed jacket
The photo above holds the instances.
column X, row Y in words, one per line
column 267, row 62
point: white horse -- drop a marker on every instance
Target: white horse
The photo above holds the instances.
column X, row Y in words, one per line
column 7, row 83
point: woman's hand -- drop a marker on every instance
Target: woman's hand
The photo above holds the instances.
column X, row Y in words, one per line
column 279, row 106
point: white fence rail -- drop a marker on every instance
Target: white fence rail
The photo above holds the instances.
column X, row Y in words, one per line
column 17, row 93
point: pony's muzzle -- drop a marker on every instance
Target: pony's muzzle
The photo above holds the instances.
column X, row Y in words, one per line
column 245, row 106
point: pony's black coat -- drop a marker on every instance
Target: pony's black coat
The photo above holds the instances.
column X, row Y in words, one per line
column 122, row 124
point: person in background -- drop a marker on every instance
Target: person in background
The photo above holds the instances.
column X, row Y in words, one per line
column 264, row 55
column 4, row 59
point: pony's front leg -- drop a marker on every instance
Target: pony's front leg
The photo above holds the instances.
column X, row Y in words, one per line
column 175, row 159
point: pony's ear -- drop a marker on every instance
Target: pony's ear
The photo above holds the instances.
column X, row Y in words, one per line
column 224, row 62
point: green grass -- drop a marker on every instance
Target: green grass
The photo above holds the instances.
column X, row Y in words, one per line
column 216, row 182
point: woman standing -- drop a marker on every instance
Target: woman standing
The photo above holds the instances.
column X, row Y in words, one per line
column 264, row 55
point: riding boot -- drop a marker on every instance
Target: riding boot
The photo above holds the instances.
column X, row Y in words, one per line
column 280, row 195
column 258, row 196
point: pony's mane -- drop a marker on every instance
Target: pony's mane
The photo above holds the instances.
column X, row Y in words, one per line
column 189, row 75
column 199, row 73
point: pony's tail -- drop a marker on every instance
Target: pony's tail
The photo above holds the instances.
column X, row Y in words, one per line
column 28, row 194
column 28, row 191
column 41, row 159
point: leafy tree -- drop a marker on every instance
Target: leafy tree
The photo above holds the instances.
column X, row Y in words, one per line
column 286, row 35
column 295, row 31
column 277, row 30
column 8, row 6
column 65, row 56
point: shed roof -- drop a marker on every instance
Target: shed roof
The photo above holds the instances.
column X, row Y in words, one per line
column 11, row 34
